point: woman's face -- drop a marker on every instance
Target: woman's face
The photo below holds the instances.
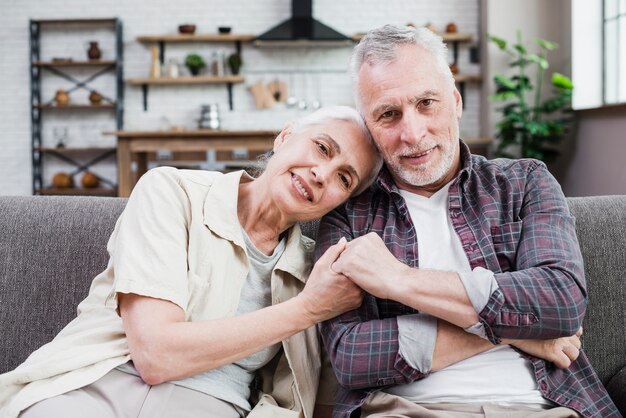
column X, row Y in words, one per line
column 316, row 168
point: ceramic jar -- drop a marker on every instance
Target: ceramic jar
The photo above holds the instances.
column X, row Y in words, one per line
column 62, row 97
column 93, row 52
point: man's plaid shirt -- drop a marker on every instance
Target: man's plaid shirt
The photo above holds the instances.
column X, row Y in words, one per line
column 512, row 218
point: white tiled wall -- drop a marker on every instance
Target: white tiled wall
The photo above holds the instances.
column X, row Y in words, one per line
column 318, row 73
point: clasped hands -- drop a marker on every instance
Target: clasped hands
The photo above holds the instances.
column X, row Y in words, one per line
column 340, row 277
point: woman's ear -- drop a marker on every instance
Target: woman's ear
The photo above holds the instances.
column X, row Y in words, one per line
column 282, row 137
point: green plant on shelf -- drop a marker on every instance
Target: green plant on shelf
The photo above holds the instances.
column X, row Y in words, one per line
column 234, row 63
column 530, row 128
column 195, row 63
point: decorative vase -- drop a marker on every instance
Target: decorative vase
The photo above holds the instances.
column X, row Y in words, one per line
column 62, row 97
column 95, row 98
column 94, row 52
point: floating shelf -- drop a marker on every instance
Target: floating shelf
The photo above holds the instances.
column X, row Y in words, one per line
column 196, row 38
column 462, row 78
column 188, row 80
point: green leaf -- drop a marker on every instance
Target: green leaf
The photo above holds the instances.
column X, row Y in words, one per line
column 520, row 48
column 543, row 63
column 498, row 41
column 507, row 95
column 504, row 81
column 561, row 81
column 550, row 46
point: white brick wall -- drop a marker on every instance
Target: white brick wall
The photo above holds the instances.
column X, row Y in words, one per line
column 180, row 105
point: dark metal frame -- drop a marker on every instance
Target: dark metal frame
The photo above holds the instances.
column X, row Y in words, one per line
column 37, row 106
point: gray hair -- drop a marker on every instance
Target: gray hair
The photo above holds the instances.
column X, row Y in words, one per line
column 329, row 114
column 380, row 45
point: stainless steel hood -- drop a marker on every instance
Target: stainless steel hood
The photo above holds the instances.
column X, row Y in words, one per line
column 302, row 29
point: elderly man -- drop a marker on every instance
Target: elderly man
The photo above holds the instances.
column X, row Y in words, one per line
column 465, row 262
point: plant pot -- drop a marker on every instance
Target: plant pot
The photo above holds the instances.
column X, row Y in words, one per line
column 194, row 70
column 234, row 69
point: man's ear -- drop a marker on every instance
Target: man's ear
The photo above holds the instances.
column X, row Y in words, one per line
column 459, row 103
column 282, row 137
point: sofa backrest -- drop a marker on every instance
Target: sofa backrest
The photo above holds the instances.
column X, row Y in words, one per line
column 52, row 247
column 601, row 231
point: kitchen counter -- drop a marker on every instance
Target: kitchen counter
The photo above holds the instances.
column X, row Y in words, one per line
column 139, row 143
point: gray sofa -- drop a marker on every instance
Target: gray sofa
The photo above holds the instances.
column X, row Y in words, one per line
column 52, row 247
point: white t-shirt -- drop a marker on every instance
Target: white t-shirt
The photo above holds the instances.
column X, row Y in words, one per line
column 500, row 375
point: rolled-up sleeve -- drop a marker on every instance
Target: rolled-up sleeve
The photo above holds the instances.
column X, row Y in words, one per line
column 543, row 295
column 150, row 246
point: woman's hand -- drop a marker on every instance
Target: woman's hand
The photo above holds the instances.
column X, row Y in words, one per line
column 328, row 294
column 560, row 351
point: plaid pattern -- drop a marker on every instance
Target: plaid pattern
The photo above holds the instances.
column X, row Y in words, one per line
column 512, row 218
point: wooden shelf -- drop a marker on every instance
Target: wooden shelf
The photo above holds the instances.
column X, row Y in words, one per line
column 77, row 106
column 108, row 21
column 74, row 150
column 447, row 37
column 76, row 191
column 462, row 78
column 187, row 80
column 478, row 141
column 74, row 63
column 196, row 38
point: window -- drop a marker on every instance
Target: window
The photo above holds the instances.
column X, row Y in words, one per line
column 598, row 52
column 614, row 26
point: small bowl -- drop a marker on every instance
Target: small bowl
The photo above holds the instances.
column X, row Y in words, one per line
column 187, row 28
column 223, row 29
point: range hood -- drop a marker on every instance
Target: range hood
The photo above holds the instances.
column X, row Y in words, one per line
column 302, row 29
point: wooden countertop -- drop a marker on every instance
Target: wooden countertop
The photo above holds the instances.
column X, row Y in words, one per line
column 189, row 133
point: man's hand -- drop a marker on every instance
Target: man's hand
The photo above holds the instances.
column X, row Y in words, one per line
column 368, row 263
column 560, row 351
column 327, row 293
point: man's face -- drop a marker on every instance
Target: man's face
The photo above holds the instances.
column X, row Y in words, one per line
column 413, row 112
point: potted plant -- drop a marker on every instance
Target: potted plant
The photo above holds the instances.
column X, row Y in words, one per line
column 530, row 127
column 195, row 63
column 234, row 63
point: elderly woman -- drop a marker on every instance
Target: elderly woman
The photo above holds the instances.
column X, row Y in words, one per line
column 208, row 304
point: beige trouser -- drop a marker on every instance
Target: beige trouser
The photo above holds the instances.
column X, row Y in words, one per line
column 122, row 395
column 381, row 404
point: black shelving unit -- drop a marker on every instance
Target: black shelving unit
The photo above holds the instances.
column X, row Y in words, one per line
column 64, row 69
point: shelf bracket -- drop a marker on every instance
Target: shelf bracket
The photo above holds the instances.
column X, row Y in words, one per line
column 229, row 86
column 144, row 89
